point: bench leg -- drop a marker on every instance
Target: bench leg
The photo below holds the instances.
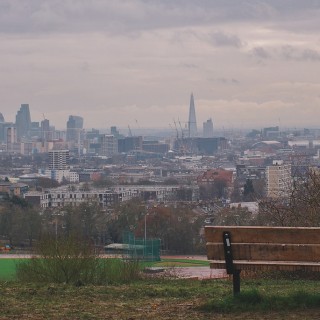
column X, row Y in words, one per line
column 236, row 281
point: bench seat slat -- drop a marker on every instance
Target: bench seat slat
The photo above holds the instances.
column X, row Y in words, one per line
column 268, row 265
column 266, row 252
column 249, row 234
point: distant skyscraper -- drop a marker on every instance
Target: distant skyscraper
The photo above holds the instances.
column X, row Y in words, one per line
column 192, row 122
column 208, row 129
column 74, row 126
column 11, row 138
column 23, row 121
column 46, row 134
column 109, row 145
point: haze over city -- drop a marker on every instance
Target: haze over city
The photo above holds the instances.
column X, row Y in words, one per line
column 249, row 63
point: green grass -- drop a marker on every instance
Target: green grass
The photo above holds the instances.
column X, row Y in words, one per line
column 179, row 263
column 254, row 300
column 163, row 299
column 8, row 268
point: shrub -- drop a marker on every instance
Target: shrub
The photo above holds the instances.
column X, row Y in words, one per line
column 72, row 260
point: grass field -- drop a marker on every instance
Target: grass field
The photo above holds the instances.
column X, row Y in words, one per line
column 159, row 298
column 162, row 299
column 8, row 266
column 180, row 263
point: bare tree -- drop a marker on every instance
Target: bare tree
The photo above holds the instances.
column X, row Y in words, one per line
column 301, row 207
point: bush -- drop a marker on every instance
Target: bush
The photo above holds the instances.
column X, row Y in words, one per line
column 114, row 271
column 72, row 260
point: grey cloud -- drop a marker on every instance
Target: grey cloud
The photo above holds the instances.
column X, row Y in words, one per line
column 190, row 65
column 226, row 40
column 297, row 54
column 225, row 81
column 309, row 54
column 287, row 52
column 121, row 16
column 260, row 53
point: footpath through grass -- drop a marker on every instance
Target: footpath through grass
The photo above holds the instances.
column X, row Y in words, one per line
column 162, row 299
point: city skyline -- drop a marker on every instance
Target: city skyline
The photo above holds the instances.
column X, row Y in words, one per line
column 250, row 64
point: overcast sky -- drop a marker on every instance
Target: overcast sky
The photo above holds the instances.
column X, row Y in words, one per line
column 249, row 63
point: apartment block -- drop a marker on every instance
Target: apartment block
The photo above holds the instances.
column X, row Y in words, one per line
column 278, row 179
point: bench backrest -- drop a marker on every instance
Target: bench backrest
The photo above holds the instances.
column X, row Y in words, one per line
column 265, row 243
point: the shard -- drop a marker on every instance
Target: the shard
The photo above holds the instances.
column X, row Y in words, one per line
column 192, row 123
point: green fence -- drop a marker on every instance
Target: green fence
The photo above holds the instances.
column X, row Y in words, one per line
column 146, row 249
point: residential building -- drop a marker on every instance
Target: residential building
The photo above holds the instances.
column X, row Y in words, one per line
column 279, row 179
column 60, row 198
column 59, row 159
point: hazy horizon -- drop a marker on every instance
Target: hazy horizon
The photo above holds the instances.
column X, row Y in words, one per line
column 249, row 63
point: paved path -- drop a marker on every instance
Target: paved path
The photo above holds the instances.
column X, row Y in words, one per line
column 199, row 273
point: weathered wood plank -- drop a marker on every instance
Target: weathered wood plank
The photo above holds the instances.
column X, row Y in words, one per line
column 268, row 265
column 283, row 235
column 266, row 252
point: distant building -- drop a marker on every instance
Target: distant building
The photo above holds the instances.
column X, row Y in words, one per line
column 46, row 133
column 74, row 128
column 34, row 129
column 3, row 130
column 108, row 145
column 114, row 131
column 11, row 138
column 13, row 189
column 271, row 132
column 279, row 180
column 192, row 122
column 128, row 144
column 155, row 146
column 219, row 174
column 23, row 122
column 59, row 159
column 60, row 198
column 267, row 147
column 208, row 129
column 2, row 123
column 64, row 175
column 203, row 146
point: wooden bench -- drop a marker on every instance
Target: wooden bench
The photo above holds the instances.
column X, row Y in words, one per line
column 237, row 248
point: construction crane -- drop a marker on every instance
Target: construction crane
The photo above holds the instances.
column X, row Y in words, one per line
column 182, row 134
column 175, row 124
column 130, row 133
